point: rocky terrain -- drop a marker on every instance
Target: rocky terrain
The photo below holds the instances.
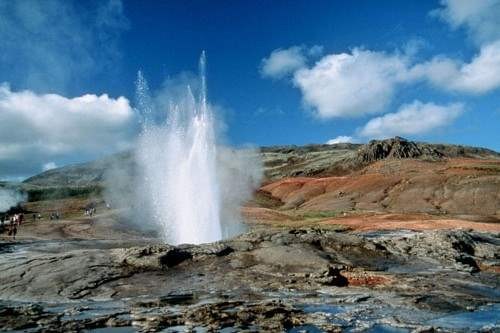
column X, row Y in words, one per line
column 304, row 279
column 391, row 236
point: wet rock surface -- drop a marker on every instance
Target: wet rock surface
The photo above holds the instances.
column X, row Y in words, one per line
column 297, row 280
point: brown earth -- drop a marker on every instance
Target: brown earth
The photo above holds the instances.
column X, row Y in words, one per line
column 106, row 224
column 462, row 188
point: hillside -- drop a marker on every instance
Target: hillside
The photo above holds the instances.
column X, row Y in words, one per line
column 385, row 176
column 282, row 161
column 388, row 176
column 84, row 174
column 466, row 187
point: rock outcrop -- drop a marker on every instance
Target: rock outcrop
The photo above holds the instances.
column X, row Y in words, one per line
column 271, row 280
column 397, row 148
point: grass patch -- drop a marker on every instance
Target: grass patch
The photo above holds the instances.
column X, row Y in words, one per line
column 319, row 214
column 265, row 200
column 54, row 193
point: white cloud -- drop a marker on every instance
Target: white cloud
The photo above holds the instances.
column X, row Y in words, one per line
column 38, row 128
column 282, row 62
column 412, row 119
column 481, row 75
column 349, row 85
column 341, row 139
column 364, row 82
column 49, row 166
column 481, row 18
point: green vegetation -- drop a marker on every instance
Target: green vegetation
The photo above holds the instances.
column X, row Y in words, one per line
column 263, row 199
column 319, row 214
column 53, row 193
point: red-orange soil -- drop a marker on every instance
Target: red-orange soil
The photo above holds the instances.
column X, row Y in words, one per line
column 463, row 188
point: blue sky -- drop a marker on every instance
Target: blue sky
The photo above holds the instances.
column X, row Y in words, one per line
column 280, row 72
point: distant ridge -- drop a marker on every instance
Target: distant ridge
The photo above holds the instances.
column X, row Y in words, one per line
column 344, row 158
column 281, row 161
column 82, row 174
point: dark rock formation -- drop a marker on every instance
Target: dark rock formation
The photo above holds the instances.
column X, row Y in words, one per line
column 396, row 148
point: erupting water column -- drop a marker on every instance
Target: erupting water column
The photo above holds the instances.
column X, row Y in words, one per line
column 179, row 162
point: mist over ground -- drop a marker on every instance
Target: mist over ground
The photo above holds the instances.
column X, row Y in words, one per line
column 10, row 198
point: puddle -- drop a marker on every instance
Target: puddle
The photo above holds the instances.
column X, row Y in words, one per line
column 378, row 328
column 388, row 234
column 58, row 246
column 305, row 328
column 6, row 247
column 478, row 289
column 486, row 316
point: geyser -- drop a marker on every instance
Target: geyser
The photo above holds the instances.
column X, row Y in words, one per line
column 178, row 163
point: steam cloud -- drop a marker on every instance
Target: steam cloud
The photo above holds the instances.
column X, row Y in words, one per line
column 10, row 198
column 139, row 189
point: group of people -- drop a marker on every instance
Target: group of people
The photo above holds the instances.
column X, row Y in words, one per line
column 89, row 211
column 15, row 222
column 54, row 216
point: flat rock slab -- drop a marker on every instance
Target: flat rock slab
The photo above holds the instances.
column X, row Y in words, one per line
column 299, row 257
column 235, row 283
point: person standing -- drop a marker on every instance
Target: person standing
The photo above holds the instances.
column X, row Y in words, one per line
column 14, row 230
column 13, row 226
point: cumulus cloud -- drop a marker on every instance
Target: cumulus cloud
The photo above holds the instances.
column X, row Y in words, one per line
column 351, row 84
column 341, row 139
column 480, row 75
column 412, row 119
column 36, row 129
column 283, row 62
column 479, row 17
column 46, row 45
column 364, row 81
